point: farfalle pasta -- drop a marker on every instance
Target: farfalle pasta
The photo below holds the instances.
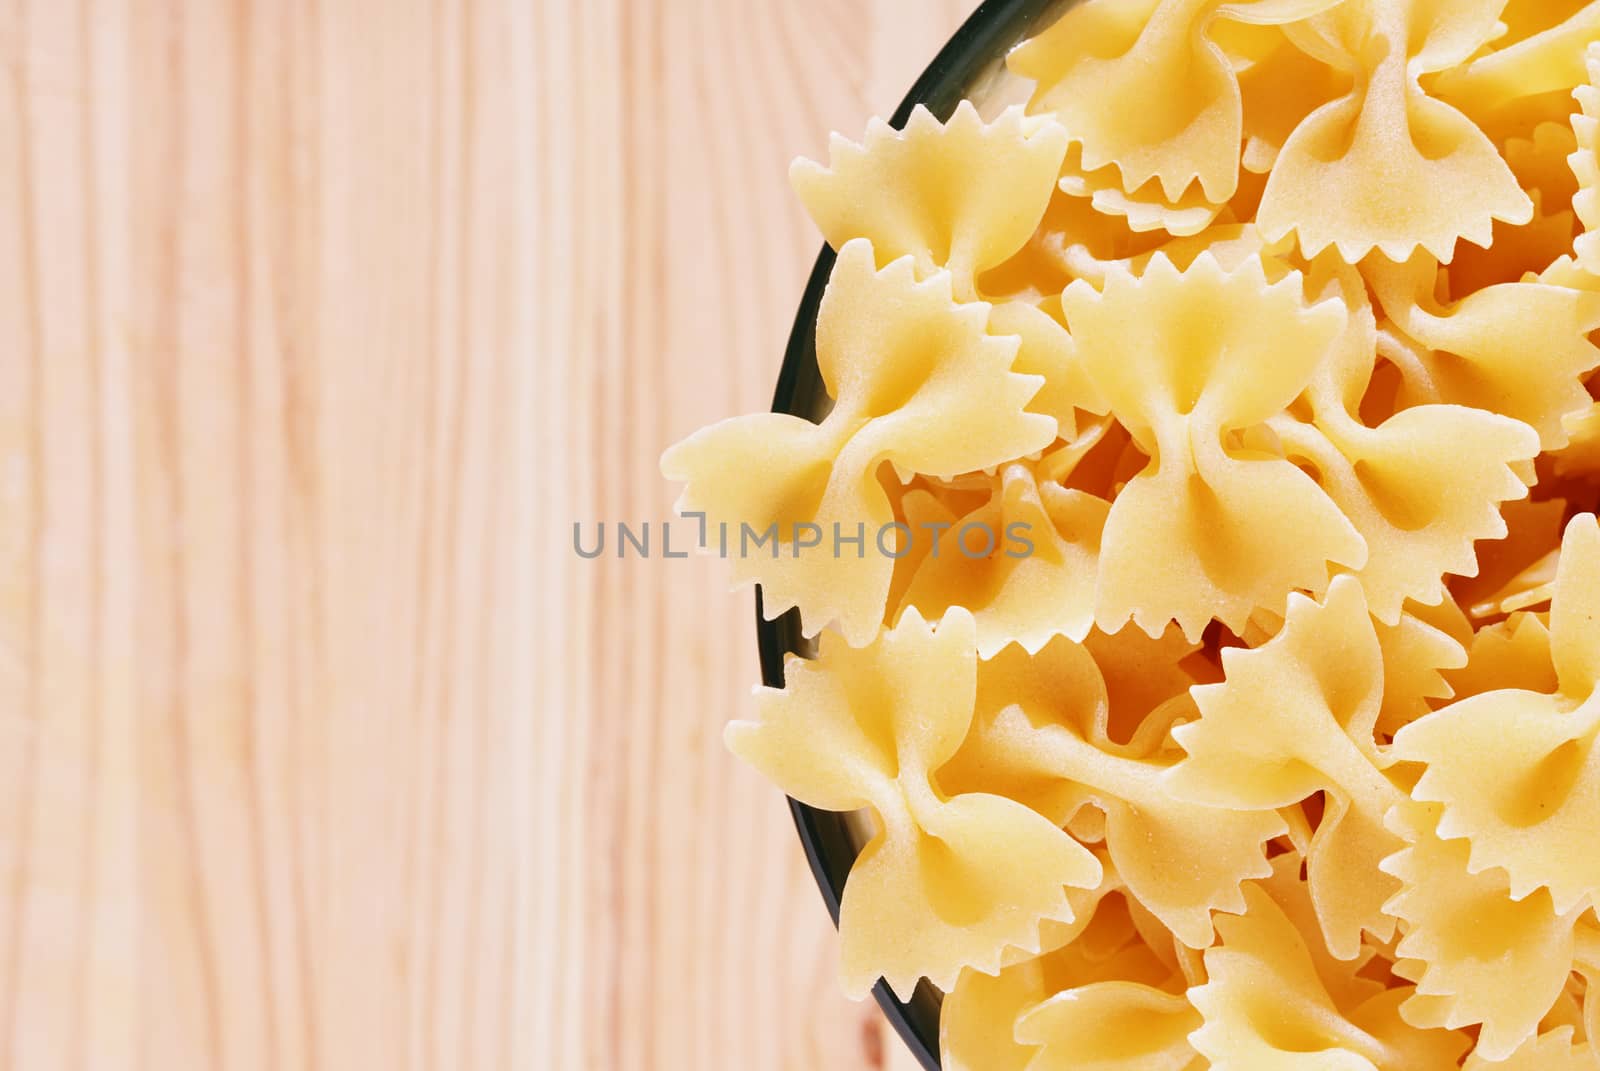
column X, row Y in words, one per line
column 918, row 384
column 1265, row 1006
column 1185, row 360
column 1516, row 771
column 1199, row 537
column 1146, row 88
column 1295, row 718
column 1479, row 957
column 1520, row 349
column 964, row 195
column 1388, row 167
column 1042, row 735
column 1421, row 487
column 935, row 890
column 1044, row 590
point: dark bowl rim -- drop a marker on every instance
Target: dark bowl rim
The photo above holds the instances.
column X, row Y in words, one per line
column 993, row 26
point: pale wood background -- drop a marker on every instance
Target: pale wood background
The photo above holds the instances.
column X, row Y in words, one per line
column 321, row 321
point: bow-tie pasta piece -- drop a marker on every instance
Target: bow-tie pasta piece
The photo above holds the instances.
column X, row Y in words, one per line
column 1233, row 246
column 1566, row 271
column 1185, row 359
column 1349, row 982
column 1112, row 1026
column 1580, row 459
column 1550, row 60
column 926, row 509
column 1045, row 349
column 1108, row 467
column 964, row 195
column 918, row 382
column 1516, row 251
column 1024, row 563
column 1422, row 487
column 1266, row 1007
column 981, row 1026
column 1518, row 772
column 1072, row 241
column 1144, row 677
column 1143, row 86
column 1542, row 161
column 978, row 1017
column 1039, row 736
column 1539, row 159
column 1568, row 1013
column 1585, row 163
column 1539, row 156
column 999, row 751
column 1279, row 88
column 1552, row 1051
column 1426, row 643
column 1387, row 166
column 1145, row 209
column 1508, row 568
column 1099, row 927
column 1532, row 588
column 1520, row 349
column 1293, row 718
column 1525, row 18
column 1486, row 957
column 1513, row 654
column 947, row 881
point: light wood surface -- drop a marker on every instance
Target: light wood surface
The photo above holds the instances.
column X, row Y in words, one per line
column 321, row 322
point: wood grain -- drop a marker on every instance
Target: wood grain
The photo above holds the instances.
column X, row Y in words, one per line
column 321, row 322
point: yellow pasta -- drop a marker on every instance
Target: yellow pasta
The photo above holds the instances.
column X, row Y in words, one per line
column 1146, row 209
column 1118, row 1025
column 1217, row 672
column 1549, row 60
column 1580, row 458
column 918, row 382
column 1030, row 591
column 1041, row 736
column 1219, row 531
column 1509, row 568
column 1143, row 87
column 1296, row 717
column 1388, row 167
column 1421, row 487
column 1518, row 772
column 1511, row 654
column 1552, row 1051
column 1267, row 1007
column 963, row 195
column 937, row 888
column 1418, row 651
column 1540, row 160
column 1520, row 349
column 978, row 1026
column 1586, row 165
column 1483, row 957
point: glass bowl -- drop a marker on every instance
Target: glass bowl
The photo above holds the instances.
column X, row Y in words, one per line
column 971, row 65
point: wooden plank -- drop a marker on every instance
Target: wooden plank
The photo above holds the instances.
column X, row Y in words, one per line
column 321, row 322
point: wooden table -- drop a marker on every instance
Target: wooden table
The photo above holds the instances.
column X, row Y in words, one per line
column 321, row 322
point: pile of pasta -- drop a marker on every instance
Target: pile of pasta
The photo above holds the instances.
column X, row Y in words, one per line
column 1272, row 321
